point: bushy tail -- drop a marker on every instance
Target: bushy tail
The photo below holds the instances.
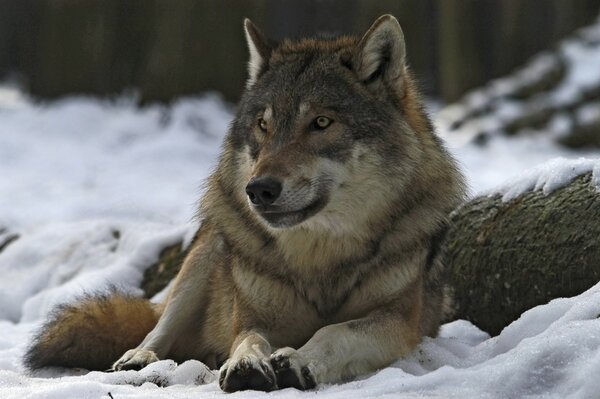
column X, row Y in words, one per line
column 93, row 333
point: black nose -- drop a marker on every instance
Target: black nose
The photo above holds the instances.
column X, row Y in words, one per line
column 263, row 190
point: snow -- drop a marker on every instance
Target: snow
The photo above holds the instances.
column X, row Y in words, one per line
column 84, row 145
column 95, row 189
column 561, row 81
column 56, row 262
column 584, row 64
column 548, row 177
column 491, row 163
column 588, row 114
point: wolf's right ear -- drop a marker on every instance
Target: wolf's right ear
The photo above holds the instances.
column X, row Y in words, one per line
column 380, row 54
column 260, row 51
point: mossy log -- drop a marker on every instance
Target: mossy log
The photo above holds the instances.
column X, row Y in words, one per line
column 158, row 275
column 508, row 257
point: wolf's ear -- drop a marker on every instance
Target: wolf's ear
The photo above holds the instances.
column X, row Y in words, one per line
column 260, row 51
column 380, row 54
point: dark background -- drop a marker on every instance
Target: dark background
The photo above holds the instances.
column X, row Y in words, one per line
column 169, row 48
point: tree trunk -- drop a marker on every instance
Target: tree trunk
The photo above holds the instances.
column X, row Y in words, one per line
column 508, row 257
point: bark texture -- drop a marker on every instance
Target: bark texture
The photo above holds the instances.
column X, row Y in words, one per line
column 506, row 258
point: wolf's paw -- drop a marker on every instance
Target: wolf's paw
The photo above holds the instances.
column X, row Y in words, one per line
column 291, row 370
column 247, row 372
column 135, row 359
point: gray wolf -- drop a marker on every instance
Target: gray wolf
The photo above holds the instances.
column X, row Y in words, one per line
column 317, row 259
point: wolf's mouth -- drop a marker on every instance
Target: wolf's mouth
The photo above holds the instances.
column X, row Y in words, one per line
column 281, row 218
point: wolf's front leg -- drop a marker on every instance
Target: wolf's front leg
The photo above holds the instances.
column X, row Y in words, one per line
column 185, row 302
column 249, row 366
column 341, row 351
column 157, row 344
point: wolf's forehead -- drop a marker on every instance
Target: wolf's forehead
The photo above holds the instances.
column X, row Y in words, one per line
column 303, row 107
column 289, row 104
column 299, row 66
column 307, row 81
column 291, row 110
column 309, row 58
column 304, row 46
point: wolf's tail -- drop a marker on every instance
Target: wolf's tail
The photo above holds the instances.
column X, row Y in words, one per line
column 93, row 333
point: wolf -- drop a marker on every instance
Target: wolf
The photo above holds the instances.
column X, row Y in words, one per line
column 318, row 256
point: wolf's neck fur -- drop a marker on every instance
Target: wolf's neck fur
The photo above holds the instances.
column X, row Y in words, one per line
column 311, row 250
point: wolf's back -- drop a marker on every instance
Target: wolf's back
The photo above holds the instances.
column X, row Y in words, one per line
column 92, row 333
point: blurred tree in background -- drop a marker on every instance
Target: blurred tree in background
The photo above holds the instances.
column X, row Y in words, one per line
column 169, row 48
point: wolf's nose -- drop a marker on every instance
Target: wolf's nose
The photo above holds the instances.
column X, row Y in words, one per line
column 263, row 190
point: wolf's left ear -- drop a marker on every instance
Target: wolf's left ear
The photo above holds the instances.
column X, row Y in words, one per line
column 380, row 54
column 260, row 51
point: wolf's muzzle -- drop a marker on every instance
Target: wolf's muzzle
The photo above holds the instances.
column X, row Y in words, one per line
column 263, row 190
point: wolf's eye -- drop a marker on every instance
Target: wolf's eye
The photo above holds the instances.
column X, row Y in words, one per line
column 321, row 123
column 262, row 124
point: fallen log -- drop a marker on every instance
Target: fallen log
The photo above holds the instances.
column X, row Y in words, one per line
column 507, row 257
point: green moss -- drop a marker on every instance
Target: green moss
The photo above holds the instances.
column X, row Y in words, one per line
column 157, row 276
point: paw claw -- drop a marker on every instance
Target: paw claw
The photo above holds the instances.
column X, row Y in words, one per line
column 309, row 380
column 291, row 370
column 280, row 362
column 222, row 375
column 135, row 359
column 247, row 373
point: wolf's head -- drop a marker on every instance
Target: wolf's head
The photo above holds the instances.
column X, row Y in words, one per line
column 324, row 135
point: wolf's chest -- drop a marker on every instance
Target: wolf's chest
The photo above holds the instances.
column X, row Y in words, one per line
column 289, row 296
column 327, row 297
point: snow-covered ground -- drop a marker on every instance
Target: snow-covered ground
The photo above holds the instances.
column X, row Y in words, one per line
column 66, row 160
column 557, row 92
column 96, row 188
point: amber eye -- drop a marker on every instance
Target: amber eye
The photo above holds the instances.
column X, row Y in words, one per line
column 262, row 124
column 321, row 123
